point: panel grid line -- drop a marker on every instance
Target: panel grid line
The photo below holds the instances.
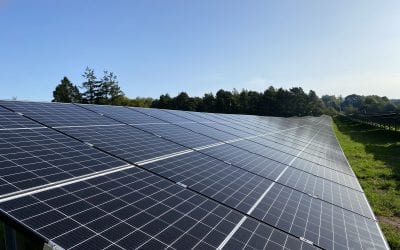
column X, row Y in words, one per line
column 261, row 198
column 310, row 197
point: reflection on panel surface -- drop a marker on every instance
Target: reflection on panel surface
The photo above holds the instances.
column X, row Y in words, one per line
column 104, row 177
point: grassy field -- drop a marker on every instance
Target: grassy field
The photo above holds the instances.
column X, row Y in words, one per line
column 374, row 155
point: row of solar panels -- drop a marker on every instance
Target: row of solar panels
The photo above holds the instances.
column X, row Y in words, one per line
column 89, row 176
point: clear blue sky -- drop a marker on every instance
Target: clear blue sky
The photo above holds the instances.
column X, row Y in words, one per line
column 167, row 46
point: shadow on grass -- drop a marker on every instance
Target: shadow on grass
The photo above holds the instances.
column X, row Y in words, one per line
column 382, row 144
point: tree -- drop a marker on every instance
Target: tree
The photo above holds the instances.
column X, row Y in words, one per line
column 66, row 92
column 103, row 91
column 372, row 104
column 110, row 92
column 268, row 102
column 331, row 102
column 207, row 103
column 224, row 102
column 298, row 101
column 91, row 86
column 350, row 110
column 249, row 102
column 389, row 107
column 165, row 102
column 356, row 101
column 183, row 102
column 315, row 104
column 284, row 103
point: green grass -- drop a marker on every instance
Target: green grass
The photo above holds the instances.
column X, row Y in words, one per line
column 374, row 155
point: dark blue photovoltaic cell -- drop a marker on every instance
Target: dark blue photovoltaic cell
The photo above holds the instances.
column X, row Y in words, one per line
column 270, row 153
column 123, row 114
column 255, row 235
column 319, row 150
column 12, row 120
column 231, row 186
column 326, row 190
column 326, row 225
column 58, row 114
column 260, row 121
column 327, row 173
column 189, row 180
column 245, row 124
column 231, row 126
column 251, row 162
column 322, row 188
column 204, row 129
column 179, row 135
column 188, row 117
column 135, row 209
column 161, row 114
column 125, row 141
column 254, row 124
column 31, row 158
column 265, row 142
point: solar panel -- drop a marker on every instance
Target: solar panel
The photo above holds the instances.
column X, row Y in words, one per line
column 247, row 123
column 327, row 173
column 179, row 135
column 125, row 141
column 30, row 158
column 161, row 114
column 135, row 209
column 187, row 115
column 261, row 150
column 123, row 114
column 326, row 225
column 203, row 119
column 336, row 162
column 259, row 122
column 294, row 178
column 213, row 178
column 271, row 168
column 164, row 128
column 58, row 114
column 11, row 120
column 103, row 177
column 32, row 155
column 252, row 162
column 326, row 190
column 321, row 151
column 209, row 131
column 232, row 131
column 233, row 126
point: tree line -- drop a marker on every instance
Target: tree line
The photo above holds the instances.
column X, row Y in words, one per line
column 278, row 102
column 359, row 104
column 104, row 90
column 271, row 102
column 94, row 90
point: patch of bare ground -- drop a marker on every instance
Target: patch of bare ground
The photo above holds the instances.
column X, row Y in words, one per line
column 393, row 221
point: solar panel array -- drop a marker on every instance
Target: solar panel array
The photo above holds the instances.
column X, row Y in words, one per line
column 106, row 177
